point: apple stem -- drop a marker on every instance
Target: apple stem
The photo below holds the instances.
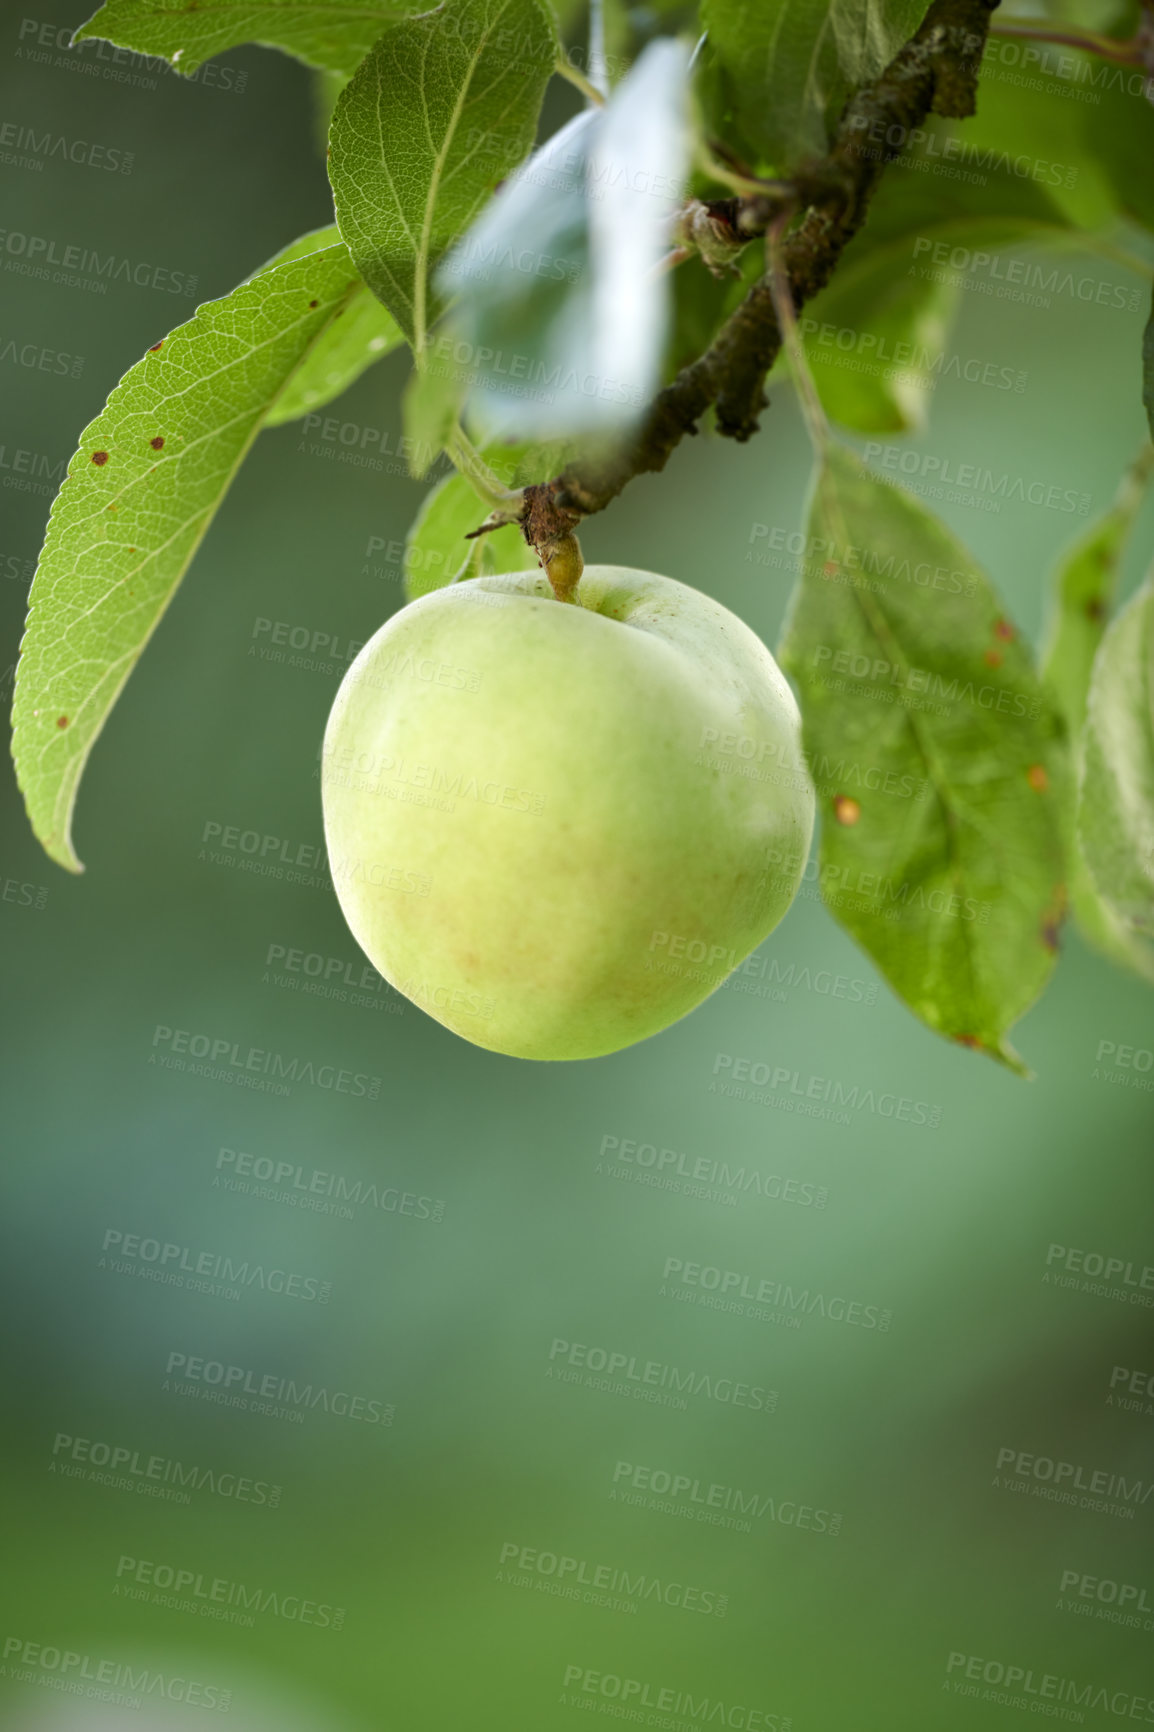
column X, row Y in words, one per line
column 563, row 566
column 549, row 530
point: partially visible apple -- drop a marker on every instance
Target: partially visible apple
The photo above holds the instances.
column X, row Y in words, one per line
column 558, row 828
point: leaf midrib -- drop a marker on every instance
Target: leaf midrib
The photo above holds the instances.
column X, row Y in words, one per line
column 420, row 284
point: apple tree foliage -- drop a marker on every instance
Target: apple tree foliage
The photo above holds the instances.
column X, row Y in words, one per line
column 575, row 303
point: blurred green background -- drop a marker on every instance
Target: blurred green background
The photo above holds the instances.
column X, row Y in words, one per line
column 490, row 1232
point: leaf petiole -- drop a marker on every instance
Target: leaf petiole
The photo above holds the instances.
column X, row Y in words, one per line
column 485, row 483
column 782, row 294
column 565, row 68
column 749, row 185
column 1123, row 51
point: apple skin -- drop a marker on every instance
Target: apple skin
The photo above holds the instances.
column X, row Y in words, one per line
column 529, row 827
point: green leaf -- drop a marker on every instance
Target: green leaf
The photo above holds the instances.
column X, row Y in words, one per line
column 1116, row 803
column 1148, row 369
column 877, row 335
column 1119, row 137
column 922, row 196
column 901, row 325
column 362, row 334
column 445, row 106
column 1039, row 125
column 312, row 241
column 332, row 34
column 1088, row 138
column 938, row 759
column 1104, row 930
column 1084, row 590
column 786, row 65
column 139, row 495
column 436, row 548
column 1085, row 585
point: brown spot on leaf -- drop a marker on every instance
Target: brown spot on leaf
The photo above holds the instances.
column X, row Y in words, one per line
column 156, row 346
column 1003, row 629
column 62, row 721
column 1037, row 778
column 1053, row 917
column 830, row 568
column 970, row 1040
column 157, row 443
column 1095, row 608
column 100, row 458
column 993, row 658
column 314, row 303
column 846, row 809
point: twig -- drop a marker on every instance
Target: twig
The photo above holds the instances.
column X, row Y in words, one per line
column 936, row 73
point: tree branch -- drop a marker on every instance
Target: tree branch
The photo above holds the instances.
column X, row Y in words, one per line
column 935, row 73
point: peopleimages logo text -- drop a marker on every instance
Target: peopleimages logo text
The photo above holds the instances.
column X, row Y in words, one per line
column 1024, row 1683
column 652, row 1378
column 228, row 1054
column 706, row 1170
column 736, row 1283
column 827, row 1090
column 153, row 1472
column 234, row 1385
column 69, row 1670
column 386, row 1199
column 569, row 1572
column 37, row 252
column 712, row 1502
column 40, row 146
column 637, row 1693
column 217, row 1591
column 1081, row 1262
column 130, row 1249
column 1073, row 1476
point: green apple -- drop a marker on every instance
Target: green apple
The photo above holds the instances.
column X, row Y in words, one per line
column 558, row 828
